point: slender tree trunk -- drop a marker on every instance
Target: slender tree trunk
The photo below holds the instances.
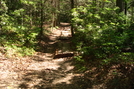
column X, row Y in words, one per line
column 121, row 5
column 53, row 14
column 125, row 8
column 58, row 8
column 41, row 17
column 55, row 18
column 41, row 20
column 126, row 11
column 72, row 28
column 132, row 17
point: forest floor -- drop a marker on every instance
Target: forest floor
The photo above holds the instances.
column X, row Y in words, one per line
column 43, row 71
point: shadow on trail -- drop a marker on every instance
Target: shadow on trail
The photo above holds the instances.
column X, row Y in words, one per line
column 60, row 73
column 50, row 46
column 47, row 72
column 54, row 79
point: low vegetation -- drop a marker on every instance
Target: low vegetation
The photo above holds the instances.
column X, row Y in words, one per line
column 102, row 34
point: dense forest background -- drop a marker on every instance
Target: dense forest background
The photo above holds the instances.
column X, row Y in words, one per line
column 102, row 31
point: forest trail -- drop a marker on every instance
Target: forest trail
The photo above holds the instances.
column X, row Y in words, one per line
column 42, row 70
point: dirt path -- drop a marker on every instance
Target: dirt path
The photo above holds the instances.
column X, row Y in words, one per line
column 41, row 71
column 45, row 70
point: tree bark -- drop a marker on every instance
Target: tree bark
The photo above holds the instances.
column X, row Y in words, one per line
column 41, row 17
column 55, row 18
column 57, row 13
column 72, row 28
column 122, row 8
column 120, row 4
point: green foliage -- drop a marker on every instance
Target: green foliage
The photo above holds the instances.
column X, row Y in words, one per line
column 15, row 51
column 79, row 63
column 101, row 33
column 21, row 39
column 16, row 32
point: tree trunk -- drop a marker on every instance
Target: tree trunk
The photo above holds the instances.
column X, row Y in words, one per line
column 132, row 17
column 41, row 17
column 125, row 8
column 57, row 13
column 120, row 4
column 55, row 19
column 72, row 28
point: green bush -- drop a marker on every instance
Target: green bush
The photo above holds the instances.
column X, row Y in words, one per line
column 101, row 34
column 17, row 36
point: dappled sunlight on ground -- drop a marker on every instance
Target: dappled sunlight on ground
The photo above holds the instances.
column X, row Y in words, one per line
column 40, row 71
column 65, row 79
column 44, row 70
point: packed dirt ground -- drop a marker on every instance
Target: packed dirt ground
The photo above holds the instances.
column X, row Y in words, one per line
column 43, row 71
